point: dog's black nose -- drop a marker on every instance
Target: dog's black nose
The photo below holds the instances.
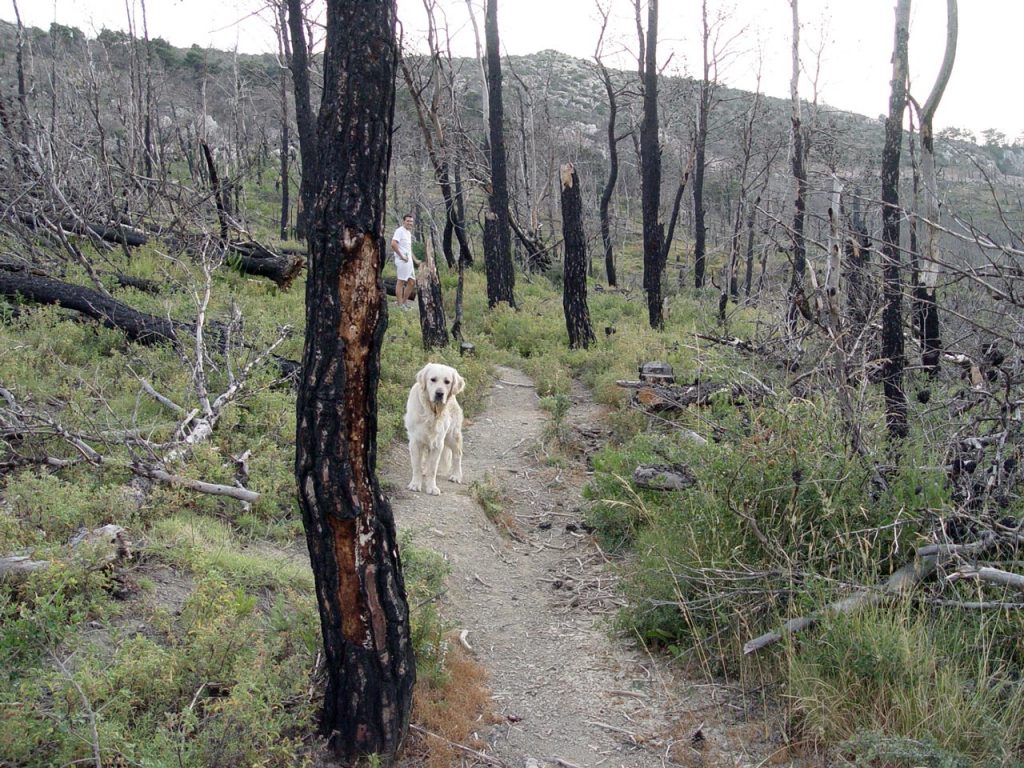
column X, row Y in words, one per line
column 439, row 396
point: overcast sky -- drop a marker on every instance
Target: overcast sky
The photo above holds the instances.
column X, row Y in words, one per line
column 855, row 38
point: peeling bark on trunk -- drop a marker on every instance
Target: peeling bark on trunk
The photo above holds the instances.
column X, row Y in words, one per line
column 349, row 524
column 574, row 279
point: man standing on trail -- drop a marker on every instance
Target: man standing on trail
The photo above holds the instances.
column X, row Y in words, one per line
column 401, row 244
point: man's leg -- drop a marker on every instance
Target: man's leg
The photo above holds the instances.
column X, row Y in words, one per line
column 410, row 290
column 400, row 292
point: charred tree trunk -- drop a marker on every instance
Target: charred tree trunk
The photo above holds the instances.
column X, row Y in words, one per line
column 285, row 202
column 892, row 311
column 797, row 297
column 748, row 275
column 858, row 269
column 700, row 154
column 349, row 524
column 497, row 230
column 218, row 192
column 613, row 175
column 305, row 118
column 574, row 280
column 432, row 320
column 465, row 254
column 650, row 162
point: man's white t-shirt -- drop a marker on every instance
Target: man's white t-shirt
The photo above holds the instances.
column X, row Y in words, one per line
column 403, row 237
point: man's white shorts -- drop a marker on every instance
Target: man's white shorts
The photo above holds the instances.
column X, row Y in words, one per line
column 405, row 269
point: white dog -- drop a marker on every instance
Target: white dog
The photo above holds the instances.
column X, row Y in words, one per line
column 433, row 420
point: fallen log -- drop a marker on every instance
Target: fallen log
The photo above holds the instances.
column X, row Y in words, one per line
column 110, row 233
column 137, row 326
column 901, row 581
column 657, row 398
column 108, row 543
column 389, row 287
column 663, row 477
column 251, row 258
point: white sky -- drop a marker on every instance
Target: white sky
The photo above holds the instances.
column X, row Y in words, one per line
column 856, row 35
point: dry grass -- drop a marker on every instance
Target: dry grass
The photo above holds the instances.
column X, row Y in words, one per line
column 454, row 711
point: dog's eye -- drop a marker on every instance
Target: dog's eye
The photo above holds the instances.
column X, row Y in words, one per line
column 446, row 381
column 434, row 379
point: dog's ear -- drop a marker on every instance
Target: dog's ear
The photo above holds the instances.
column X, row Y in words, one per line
column 421, row 377
column 460, row 384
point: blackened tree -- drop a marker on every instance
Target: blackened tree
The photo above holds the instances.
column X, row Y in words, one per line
column 349, row 524
column 574, row 277
column 892, row 311
column 501, row 279
column 650, row 172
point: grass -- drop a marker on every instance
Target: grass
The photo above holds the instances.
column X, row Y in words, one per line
column 779, row 499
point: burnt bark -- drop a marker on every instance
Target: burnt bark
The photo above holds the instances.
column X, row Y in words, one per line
column 137, row 326
column 305, row 117
column 613, row 175
column 650, row 162
column 497, row 230
column 432, row 320
column 254, row 259
column 892, row 312
column 218, row 190
column 350, row 529
column 574, row 278
column 859, row 297
column 699, row 164
column 797, row 297
column 110, row 233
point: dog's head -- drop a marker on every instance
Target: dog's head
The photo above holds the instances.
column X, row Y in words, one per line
column 440, row 383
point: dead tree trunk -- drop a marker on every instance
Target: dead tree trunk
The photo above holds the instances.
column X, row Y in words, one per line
column 892, row 311
column 931, row 268
column 574, row 279
column 650, row 162
column 137, row 326
column 305, row 117
column 283, row 47
column 497, row 230
column 797, row 297
column 432, row 320
column 613, row 157
column 700, row 148
column 349, row 524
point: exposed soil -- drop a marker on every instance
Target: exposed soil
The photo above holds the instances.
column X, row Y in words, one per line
column 536, row 603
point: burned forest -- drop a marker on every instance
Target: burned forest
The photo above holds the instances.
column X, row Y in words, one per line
column 744, row 384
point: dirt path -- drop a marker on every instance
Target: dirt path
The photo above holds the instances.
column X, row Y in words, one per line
column 536, row 604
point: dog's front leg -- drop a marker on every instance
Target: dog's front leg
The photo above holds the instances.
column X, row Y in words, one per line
column 430, row 476
column 416, row 459
column 453, row 443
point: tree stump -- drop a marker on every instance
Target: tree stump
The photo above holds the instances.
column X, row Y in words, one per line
column 574, row 279
column 432, row 320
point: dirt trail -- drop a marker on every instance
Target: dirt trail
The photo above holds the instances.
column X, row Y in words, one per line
column 536, row 604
